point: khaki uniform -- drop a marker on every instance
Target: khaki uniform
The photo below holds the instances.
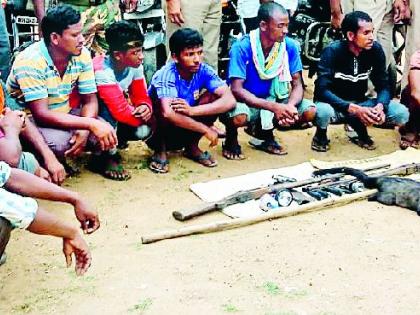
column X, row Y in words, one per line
column 205, row 16
column 412, row 41
column 382, row 17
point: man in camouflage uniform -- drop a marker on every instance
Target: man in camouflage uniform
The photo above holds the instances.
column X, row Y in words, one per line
column 96, row 15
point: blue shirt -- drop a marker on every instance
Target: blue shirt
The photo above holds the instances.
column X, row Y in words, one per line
column 167, row 83
column 241, row 65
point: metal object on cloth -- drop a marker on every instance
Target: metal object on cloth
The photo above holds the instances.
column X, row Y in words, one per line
column 284, row 197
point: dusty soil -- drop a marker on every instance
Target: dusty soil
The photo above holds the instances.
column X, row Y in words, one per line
column 359, row 259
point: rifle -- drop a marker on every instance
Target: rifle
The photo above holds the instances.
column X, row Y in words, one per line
column 243, row 196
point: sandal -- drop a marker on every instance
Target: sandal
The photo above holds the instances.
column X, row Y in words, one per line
column 158, row 165
column 71, row 168
column 405, row 144
column 408, row 140
column 318, row 145
column 366, row 144
column 109, row 166
column 269, row 146
column 204, row 158
column 232, row 152
column 350, row 133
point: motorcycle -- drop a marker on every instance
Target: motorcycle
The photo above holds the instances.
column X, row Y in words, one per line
column 22, row 25
column 310, row 26
column 231, row 29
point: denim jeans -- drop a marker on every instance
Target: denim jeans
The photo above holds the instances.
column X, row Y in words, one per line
column 395, row 112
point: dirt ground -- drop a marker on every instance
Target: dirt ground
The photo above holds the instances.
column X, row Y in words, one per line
column 358, row 259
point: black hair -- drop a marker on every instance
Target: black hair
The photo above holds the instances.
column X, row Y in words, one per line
column 351, row 21
column 57, row 19
column 267, row 9
column 184, row 38
column 118, row 34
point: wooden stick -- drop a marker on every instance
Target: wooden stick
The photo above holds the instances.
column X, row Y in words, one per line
column 239, row 222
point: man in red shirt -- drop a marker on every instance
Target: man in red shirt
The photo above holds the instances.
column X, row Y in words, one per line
column 123, row 98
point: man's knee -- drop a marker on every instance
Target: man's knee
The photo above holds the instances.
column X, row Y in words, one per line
column 58, row 140
column 5, row 229
column 309, row 114
column 398, row 114
column 323, row 114
column 240, row 120
column 402, row 117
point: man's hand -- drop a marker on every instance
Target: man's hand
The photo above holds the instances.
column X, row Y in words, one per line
column 105, row 134
column 280, row 111
column 12, row 121
column 180, row 106
column 129, row 5
column 378, row 110
column 365, row 114
column 293, row 112
column 291, row 116
column 78, row 143
column 173, row 8
column 285, row 114
column 336, row 19
column 142, row 111
column 42, row 173
column 212, row 136
column 79, row 248
column 402, row 11
column 55, row 169
column 89, row 220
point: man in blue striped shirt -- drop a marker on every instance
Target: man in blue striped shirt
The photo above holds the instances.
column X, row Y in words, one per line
column 54, row 80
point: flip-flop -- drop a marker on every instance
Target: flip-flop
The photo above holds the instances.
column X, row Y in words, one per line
column 109, row 166
column 203, row 159
column 269, row 146
column 320, row 146
column 405, row 144
column 350, row 133
column 408, row 140
column 158, row 165
column 115, row 171
column 232, row 150
column 367, row 144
